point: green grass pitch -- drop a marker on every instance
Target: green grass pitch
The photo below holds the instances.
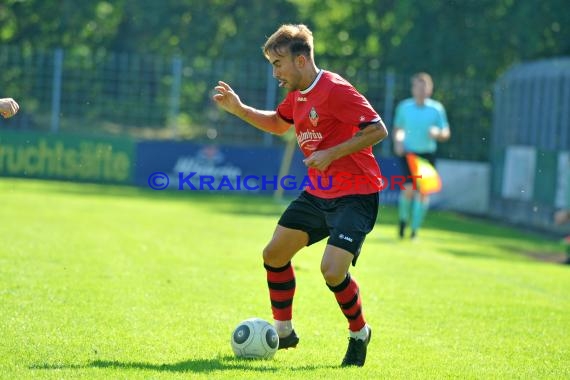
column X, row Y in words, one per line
column 110, row 282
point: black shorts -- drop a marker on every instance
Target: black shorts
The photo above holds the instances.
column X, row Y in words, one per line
column 406, row 172
column 344, row 220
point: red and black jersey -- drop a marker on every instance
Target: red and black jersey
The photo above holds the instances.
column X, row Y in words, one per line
column 329, row 112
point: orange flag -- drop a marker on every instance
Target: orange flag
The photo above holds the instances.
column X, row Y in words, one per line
column 430, row 182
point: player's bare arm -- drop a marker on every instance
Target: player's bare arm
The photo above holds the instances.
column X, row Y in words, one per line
column 439, row 134
column 368, row 136
column 8, row 107
column 399, row 136
column 268, row 121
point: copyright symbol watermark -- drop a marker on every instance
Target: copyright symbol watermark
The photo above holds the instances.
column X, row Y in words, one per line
column 158, row 181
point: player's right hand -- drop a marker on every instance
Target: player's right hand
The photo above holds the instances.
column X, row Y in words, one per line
column 226, row 98
column 8, row 107
column 399, row 149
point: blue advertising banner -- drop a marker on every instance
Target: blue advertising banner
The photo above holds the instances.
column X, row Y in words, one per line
column 195, row 167
column 390, row 167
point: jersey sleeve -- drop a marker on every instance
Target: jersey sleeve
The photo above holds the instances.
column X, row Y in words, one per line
column 285, row 109
column 442, row 117
column 351, row 107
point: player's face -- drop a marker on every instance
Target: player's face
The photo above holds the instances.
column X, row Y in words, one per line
column 420, row 89
column 285, row 70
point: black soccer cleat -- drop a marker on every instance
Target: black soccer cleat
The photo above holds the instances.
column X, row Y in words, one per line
column 290, row 341
column 356, row 352
column 402, row 229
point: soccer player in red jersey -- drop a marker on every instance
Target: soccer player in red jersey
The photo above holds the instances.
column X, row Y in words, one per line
column 336, row 128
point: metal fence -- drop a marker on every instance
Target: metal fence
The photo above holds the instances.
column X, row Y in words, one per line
column 154, row 97
column 530, row 154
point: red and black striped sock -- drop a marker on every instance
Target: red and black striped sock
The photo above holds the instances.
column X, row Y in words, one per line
column 281, row 283
column 348, row 297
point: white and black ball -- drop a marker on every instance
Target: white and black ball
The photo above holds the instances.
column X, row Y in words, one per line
column 255, row 338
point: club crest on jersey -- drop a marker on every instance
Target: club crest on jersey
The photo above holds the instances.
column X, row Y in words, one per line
column 314, row 116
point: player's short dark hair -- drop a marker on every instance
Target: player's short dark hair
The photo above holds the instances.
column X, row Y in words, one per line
column 424, row 77
column 289, row 38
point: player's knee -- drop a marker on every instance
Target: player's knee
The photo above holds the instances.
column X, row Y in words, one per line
column 272, row 257
column 332, row 275
column 267, row 254
column 408, row 191
column 424, row 198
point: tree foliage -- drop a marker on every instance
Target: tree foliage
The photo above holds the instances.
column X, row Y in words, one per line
column 464, row 44
column 468, row 38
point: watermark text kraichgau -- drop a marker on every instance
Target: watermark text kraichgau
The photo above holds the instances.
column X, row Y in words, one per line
column 341, row 181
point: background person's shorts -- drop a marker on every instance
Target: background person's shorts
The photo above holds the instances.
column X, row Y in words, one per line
column 345, row 220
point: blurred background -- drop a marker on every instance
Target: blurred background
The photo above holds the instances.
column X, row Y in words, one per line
column 111, row 91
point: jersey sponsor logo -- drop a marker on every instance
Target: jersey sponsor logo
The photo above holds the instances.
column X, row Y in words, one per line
column 301, row 99
column 314, row 116
column 309, row 136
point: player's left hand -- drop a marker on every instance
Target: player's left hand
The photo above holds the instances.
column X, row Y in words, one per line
column 320, row 160
column 8, row 107
column 434, row 133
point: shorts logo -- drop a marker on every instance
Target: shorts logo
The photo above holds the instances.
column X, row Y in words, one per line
column 314, row 116
column 344, row 237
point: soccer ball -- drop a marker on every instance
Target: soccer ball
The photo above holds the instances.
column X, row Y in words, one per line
column 255, row 338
